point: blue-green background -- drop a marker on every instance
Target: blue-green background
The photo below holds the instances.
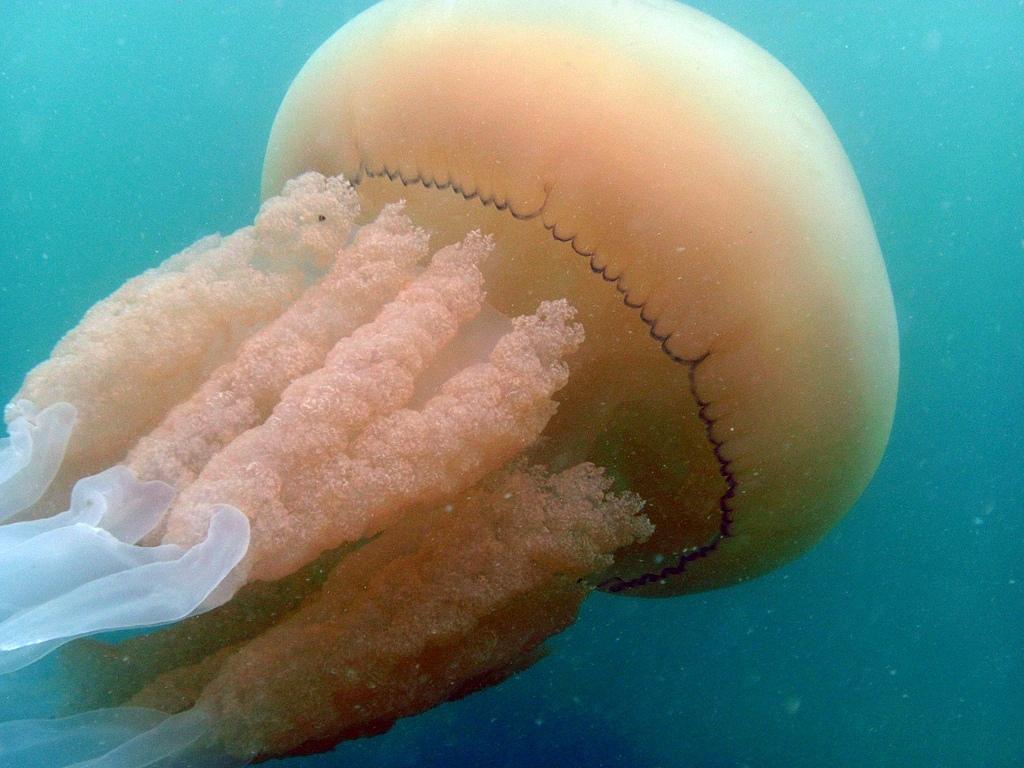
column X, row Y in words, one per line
column 129, row 129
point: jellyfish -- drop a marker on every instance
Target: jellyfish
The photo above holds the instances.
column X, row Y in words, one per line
column 543, row 298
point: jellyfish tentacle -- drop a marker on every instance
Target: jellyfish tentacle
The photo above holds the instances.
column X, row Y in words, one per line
column 445, row 601
column 241, row 393
column 121, row 737
column 341, row 453
column 80, row 573
column 40, row 743
column 164, row 331
column 269, row 470
column 31, row 456
column 482, row 417
column 42, row 559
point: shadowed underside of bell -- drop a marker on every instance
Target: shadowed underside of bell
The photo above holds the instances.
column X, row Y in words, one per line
column 685, row 193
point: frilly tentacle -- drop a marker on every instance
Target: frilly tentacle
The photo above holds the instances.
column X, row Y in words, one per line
column 80, row 572
column 123, row 737
column 32, row 454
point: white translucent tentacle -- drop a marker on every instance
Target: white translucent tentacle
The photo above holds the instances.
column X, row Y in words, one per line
column 64, row 741
column 123, row 737
column 113, row 501
column 33, row 452
column 79, row 573
column 127, row 508
column 59, row 561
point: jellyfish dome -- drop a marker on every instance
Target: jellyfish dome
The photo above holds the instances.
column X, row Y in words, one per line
column 543, row 298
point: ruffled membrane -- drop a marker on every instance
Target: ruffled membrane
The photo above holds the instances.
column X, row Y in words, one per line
column 80, row 572
column 32, row 454
column 111, row 738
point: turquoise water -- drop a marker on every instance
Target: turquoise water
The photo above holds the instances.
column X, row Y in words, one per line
column 128, row 130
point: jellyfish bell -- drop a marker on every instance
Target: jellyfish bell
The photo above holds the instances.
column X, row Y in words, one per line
column 681, row 188
column 541, row 298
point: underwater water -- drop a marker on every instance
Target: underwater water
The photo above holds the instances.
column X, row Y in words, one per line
column 128, row 130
